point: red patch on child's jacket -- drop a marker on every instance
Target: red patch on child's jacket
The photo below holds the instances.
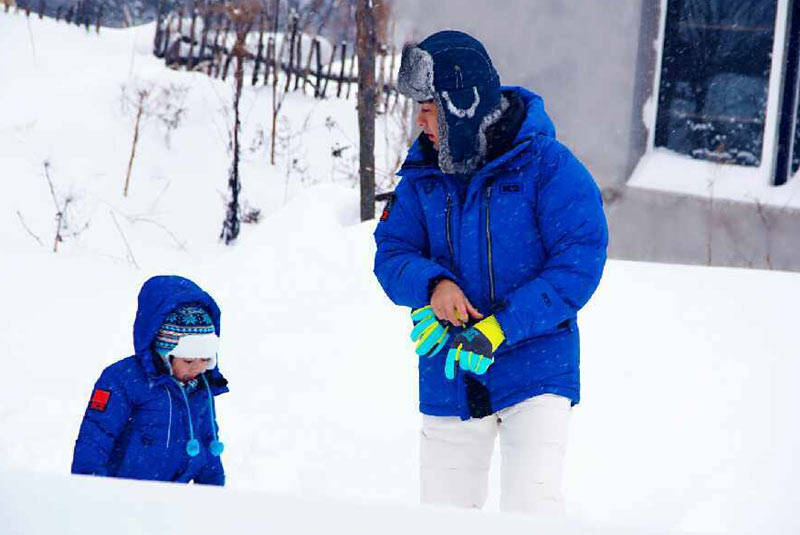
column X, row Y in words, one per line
column 99, row 399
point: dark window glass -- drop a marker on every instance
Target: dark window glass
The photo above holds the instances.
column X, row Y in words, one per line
column 715, row 69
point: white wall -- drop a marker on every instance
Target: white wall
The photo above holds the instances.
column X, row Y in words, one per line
column 580, row 55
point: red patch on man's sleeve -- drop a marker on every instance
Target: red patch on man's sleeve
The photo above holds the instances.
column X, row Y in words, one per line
column 99, row 399
column 388, row 208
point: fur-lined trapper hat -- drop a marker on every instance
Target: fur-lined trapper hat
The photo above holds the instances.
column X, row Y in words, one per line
column 454, row 70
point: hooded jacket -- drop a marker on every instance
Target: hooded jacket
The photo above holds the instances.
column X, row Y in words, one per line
column 138, row 421
column 524, row 237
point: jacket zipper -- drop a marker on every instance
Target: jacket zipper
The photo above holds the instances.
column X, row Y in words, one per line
column 489, row 244
column 447, row 215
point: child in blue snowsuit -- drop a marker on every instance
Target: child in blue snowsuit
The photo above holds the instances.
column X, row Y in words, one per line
column 152, row 416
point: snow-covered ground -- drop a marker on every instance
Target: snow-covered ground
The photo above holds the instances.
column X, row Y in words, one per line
column 686, row 423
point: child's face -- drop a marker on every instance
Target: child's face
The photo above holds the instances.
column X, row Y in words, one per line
column 187, row 369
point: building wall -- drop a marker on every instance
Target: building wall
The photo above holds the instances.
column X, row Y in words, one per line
column 580, row 56
column 593, row 62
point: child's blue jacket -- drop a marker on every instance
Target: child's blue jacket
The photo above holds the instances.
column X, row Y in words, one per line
column 137, row 424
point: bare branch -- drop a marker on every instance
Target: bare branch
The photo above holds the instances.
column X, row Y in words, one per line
column 181, row 245
column 125, row 240
column 28, row 229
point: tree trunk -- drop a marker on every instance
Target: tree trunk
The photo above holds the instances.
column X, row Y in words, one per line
column 230, row 228
column 366, row 46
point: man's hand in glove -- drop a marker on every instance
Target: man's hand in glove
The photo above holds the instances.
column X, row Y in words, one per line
column 474, row 348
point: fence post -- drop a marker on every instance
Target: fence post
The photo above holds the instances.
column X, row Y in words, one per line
column 223, row 47
column 318, row 87
column 307, row 68
column 352, row 70
column 212, row 65
column 230, row 25
column 269, row 64
column 204, row 40
column 341, row 70
column 159, row 35
column 298, row 75
column 260, row 48
column 330, row 67
column 167, row 32
column 294, row 24
column 190, row 57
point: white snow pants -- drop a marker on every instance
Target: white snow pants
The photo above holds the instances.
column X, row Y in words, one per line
column 455, row 456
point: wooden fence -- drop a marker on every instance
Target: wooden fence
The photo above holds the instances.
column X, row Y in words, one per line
column 203, row 41
column 83, row 13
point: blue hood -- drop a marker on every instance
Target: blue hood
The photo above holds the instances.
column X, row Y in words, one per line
column 536, row 123
column 158, row 297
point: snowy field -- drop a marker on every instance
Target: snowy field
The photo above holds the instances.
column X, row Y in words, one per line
column 686, row 423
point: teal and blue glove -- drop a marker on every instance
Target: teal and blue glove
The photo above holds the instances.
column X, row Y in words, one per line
column 429, row 333
column 474, row 348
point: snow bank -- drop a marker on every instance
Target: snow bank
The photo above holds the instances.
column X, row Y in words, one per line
column 80, row 505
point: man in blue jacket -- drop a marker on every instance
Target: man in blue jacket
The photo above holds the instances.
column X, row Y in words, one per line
column 152, row 415
column 495, row 237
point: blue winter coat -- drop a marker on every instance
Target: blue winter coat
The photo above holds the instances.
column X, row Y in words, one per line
column 137, row 423
column 524, row 237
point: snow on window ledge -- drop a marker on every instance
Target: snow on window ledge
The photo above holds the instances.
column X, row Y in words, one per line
column 665, row 170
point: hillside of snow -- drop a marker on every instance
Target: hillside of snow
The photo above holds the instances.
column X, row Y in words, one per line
column 686, row 422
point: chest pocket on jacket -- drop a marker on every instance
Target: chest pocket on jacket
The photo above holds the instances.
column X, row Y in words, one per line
column 515, row 239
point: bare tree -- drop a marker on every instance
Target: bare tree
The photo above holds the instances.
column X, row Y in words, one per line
column 243, row 16
column 366, row 46
column 165, row 104
column 141, row 96
column 62, row 207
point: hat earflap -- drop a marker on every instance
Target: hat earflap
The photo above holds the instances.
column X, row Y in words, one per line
column 415, row 79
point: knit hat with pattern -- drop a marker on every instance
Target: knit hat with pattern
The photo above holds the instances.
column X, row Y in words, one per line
column 191, row 325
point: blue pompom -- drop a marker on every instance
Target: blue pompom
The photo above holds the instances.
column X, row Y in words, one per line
column 193, row 447
column 216, row 448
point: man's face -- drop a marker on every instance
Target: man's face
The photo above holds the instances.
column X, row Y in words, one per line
column 428, row 121
column 187, row 369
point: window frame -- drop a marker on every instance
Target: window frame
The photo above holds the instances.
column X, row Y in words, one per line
column 697, row 176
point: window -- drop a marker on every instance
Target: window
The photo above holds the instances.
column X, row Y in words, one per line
column 715, row 74
column 727, row 86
